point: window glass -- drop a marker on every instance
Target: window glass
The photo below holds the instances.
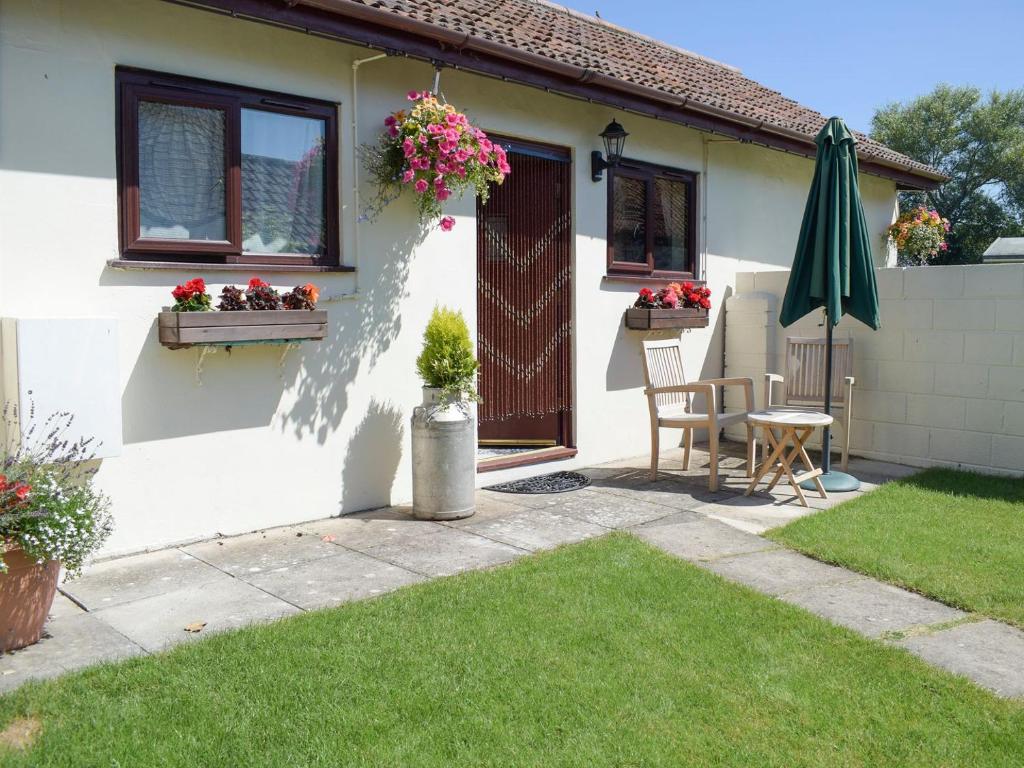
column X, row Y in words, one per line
column 671, row 214
column 181, row 172
column 283, row 173
column 629, row 219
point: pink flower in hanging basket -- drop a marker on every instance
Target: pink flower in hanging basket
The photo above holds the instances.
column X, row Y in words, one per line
column 433, row 148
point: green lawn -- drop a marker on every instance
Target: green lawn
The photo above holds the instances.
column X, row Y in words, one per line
column 607, row 653
column 954, row 536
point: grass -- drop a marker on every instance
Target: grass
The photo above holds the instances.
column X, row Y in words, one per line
column 955, row 536
column 606, row 653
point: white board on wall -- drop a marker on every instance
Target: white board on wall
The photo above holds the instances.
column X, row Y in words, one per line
column 65, row 364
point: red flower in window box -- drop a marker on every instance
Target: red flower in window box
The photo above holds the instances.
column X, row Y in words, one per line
column 191, row 297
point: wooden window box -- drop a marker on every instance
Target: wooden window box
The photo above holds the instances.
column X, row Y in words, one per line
column 180, row 330
column 656, row 319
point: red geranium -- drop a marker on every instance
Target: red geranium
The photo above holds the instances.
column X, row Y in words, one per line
column 3, row 482
column 196, row 285
column 191, row 297
column 257, row 283
column 22, row 491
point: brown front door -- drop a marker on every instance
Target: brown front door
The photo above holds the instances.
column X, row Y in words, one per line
column 524, row 301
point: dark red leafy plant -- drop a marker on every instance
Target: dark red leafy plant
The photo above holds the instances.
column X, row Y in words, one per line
column 261, row 296
column 301, row 297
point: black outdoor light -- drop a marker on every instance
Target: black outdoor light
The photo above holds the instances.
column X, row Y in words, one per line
column 614, row 137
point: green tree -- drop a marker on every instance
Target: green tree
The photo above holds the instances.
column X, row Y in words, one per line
column 978, row 143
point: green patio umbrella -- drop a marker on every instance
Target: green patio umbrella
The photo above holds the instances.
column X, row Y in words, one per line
column 833, row 267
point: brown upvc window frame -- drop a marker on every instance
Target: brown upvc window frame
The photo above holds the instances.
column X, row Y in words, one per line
column 135, row 85
column 648, row 172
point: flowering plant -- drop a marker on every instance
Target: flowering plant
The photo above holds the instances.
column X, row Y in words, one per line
column 301, row 297
column 191, row 297
column 684, row 295
column 260, row 295
column 919, row 235
column 48, row 505
column 435, row 150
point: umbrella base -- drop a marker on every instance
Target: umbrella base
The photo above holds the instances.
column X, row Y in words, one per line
column 833, row 482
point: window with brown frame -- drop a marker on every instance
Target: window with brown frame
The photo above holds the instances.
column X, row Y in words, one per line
column 652, row 221
column 215, row 173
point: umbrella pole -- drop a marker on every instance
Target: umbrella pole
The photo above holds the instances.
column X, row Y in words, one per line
column 826, row 432
column 832, row 481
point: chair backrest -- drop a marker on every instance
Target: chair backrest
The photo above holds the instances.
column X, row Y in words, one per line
column 663, row 367
column 805, row 370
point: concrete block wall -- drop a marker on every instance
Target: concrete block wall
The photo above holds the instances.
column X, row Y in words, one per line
column 940, row 384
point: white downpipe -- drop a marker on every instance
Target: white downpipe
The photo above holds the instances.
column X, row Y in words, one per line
column 356, row 63
column 704, row 207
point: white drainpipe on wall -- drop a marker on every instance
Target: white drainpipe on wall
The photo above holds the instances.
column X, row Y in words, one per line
column 355, row 158
column 356, row 64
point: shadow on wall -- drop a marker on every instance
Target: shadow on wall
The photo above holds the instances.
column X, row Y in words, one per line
column 374, row 452
column 360, row 331
column 177, row 393
column 168, row 396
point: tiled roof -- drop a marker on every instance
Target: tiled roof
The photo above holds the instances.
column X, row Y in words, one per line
column 568, row 37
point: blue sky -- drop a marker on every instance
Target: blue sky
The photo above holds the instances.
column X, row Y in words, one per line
column 841, row 58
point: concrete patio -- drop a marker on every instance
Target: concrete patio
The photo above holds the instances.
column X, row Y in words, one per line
column 149, row 602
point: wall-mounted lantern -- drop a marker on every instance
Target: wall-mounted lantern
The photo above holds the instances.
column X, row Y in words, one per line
column 614, row 137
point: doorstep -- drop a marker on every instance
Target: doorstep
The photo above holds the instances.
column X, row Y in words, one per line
column 525, row 458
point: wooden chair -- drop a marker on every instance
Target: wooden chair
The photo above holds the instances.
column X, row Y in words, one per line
column 669, row 399
column 804, row 382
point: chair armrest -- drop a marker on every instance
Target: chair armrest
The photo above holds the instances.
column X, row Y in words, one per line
column 738, row 381
column 769, row 379
column 693, row 388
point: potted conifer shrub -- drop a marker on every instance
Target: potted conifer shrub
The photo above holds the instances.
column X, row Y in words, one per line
column 50, row 516
column 444, row 426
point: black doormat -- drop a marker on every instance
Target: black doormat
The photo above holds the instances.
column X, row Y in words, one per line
column 556, row 482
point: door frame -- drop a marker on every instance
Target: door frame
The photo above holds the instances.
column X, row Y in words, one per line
column 561, row 153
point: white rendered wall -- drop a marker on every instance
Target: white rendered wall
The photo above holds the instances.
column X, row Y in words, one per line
column 263, row 441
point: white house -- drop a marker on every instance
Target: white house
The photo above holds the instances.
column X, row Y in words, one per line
column 137, row 137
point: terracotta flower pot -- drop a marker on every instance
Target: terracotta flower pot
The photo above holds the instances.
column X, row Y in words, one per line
column 26, row 594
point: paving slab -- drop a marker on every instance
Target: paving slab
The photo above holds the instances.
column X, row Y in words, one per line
column 776, row 572
column 601, row 508
column 489, row 506
column 113, row 582
column 698, row 539
column 443, row 552
column 262, row 551
column 753, row 514
column 368, row 529
column 159, row 621
column 63, row 606
column 882, row 470
column 536, row 529
column 69, row 642
column 871, row 607
column 672, row 493
column 328, row 581
column 989, row 653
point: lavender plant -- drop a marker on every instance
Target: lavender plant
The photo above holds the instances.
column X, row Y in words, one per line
column 49, row 506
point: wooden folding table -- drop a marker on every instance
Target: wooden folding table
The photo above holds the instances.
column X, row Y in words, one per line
column 795, row 426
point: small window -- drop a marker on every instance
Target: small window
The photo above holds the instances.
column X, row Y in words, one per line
column 652, row 217
column 217, row 173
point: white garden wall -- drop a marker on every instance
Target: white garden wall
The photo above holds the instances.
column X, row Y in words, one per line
column 942, row 382
column 260, row 439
